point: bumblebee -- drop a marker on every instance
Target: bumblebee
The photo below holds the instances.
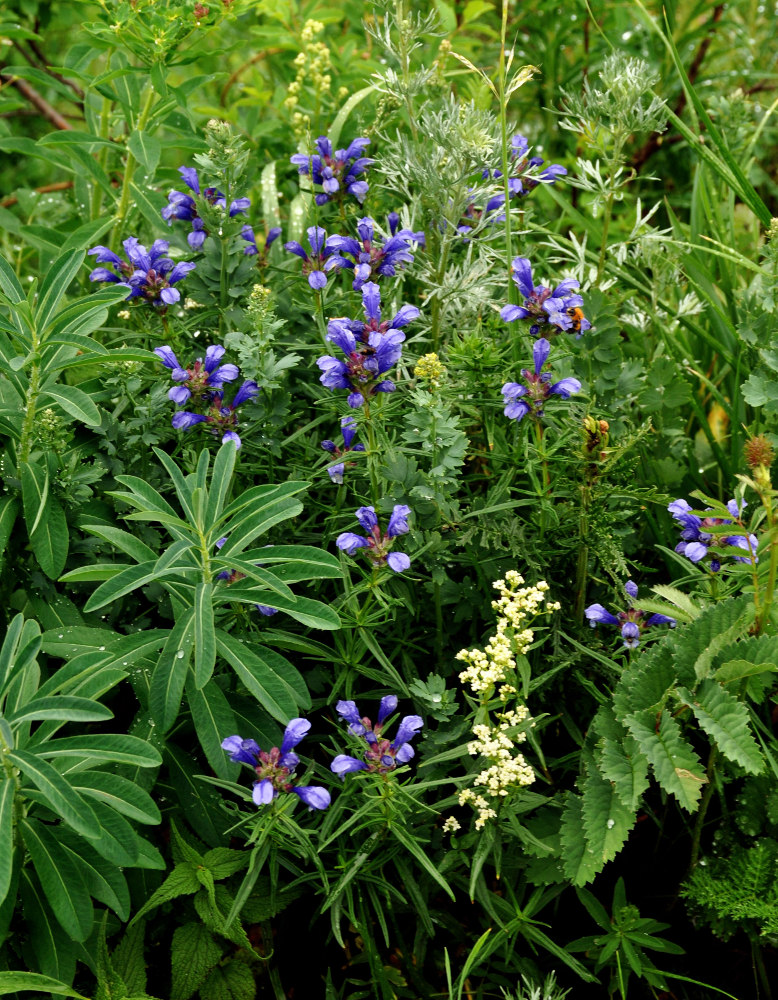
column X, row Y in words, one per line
column 576, row 315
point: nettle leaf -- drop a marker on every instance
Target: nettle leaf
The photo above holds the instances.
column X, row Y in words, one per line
column 233, row 981
column 621, row 762
column 193, row 955
column 182, row 881
column 676, row 766
column 725, row 720
column 646, row 682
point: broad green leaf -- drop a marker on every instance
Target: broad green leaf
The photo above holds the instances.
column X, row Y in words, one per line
column 606, row 820
column 122, row 540
column 9, row 283
column 7, row 790
column 221, row 478
column 35, row 493
column 183, row 492
column 248, row 526
column 621, row 762
column 33, row 982
column 676, row 766
column 735, row 671
column 312, row 613
column 105, row 883
column 257, row 676
column 146, row 149
column 213, row 721
column 118, row 843
column 182, row 881
column 49, row 541
column 65, row 891
column 75, row 402
column 9, row 510
column 121, row 794
column 126, row 581
column 59, row 794
column 55, row 284
column 204, row 634
column 580, row 864
column 232, row 981
column 725, row 720
column 112, row 748
column 194, row 952
column 167, row 681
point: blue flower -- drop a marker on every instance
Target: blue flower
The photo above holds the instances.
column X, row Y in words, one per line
column 371, row 346
column 380, row 756
column 378, row 544
column 372, row 257
column 183, row 206
column 526, row 172
column 275, row 767
column 561, row 308
column 349, row 429
column 149, row 274
column 248, row 234
column 521, row 400
column 220, row 415
column 336, row 172
column 316, row 265
column 201, row 379
column 696, row 543
column 631, row 622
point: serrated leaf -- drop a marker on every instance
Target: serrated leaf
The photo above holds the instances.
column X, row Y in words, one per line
column 695, row 645
column 233, row 981
column 725, row 720
column 128, row 959
column 580, row 864
column 621, row 762
column 735, row 671
column 182, row 881
column 193, row 955
column 222, row 861
column 606, row 820
column 676, row 766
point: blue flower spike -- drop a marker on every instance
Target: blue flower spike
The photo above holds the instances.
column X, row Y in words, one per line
column 631, row 622
column 377, row 543
column 380, row 754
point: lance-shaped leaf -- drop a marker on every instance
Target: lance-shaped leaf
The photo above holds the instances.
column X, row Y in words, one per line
column 61, row 880
column 61, row 798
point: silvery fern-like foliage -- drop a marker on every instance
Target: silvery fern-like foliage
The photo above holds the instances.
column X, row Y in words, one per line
column 622, row 104
column 530, row 990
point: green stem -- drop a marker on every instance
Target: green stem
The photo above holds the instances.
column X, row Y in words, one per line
column 542, row 453
column 272, row 968
column 129, row 169
column 405, row 63
column 31, row 402
column 606, row 221
column 502, row 72
column 102, row 157
column 224, row 284
column 707, row 795
column 582, row 564
column 763, row 615
column 372, row 456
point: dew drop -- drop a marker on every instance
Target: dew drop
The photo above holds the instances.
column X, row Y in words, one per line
column 180, row 654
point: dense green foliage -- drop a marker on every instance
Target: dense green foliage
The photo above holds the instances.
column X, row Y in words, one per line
column 524, row 408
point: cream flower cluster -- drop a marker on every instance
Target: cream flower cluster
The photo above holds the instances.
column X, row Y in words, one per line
column 516, row 608
column 507, row 769
column 313, row 64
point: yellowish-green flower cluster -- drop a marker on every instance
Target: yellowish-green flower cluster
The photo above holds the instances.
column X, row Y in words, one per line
column 517, row 607
column 430, row 367
column 313, row 65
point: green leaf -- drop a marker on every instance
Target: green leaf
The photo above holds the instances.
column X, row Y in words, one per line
column 146, row 149
column 182, row 881
column 128, row 959
column 49, row 541
column 64, row 707
column 60, row 879
column 312, row 613
column 193, row 954
column 105, row 883
column 115, row 748
column 61, row 797
column 258, row 677
column 725, row 720
column 35, row 493
column 676, row 766
column 120, row 793
column 232, row 981
column 125, row 582
column 9, row 510
column 7, row 789
column 167, row 681
column 122, row 540
column 621, row 762
column 204, row 634
column 17, row 982
column 221, row 477
column 580, row 864
column 213, row 720
column 607, row 821
column 75, row 402
column 55, row 285
column 413, row 847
